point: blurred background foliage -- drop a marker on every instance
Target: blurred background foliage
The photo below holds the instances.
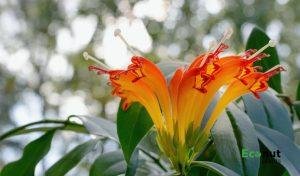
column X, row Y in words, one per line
column 43, row 73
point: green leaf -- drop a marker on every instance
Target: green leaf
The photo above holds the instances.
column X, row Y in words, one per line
column 44, row 125
column 132, row 126
column 100, row 126
column 255, row 110
column 279, row 114
column 232, row 135
column 71, row 159
column 269, row 111
column 109, row 164
column 290, row 153
column 32, row 154
column 215, row 167
column 269, row 166
column 257, row 40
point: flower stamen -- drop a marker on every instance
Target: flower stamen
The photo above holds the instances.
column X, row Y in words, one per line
column 138, row 73
column 274, row 70
column 246, row 54
column 271, row 43
column 258, row 68
column 98, row 61
column 227, row 34
column 118, row 33
column 98, row 70
column 204, row 78
column 220, row 47
column 251, row 57
column 212, row 45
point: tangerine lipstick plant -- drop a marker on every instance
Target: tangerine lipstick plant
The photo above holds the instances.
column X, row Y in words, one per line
column 177, row 107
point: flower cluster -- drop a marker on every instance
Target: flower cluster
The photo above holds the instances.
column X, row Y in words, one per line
column 177, row 107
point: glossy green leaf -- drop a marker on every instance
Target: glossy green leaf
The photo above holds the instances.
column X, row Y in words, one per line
column 109, row 164
column 71, row 159
column 269, row 111
column 132, row 124
column 257, row 40
column 268, row 167
column 215, row 167
column 278, row 114
column 100, row 126
column 231, row 135
column 290, row 153
column 225, row 143
column 255, row 110
column 32, row 154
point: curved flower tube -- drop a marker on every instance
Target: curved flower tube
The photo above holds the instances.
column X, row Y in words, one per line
column 177, row 108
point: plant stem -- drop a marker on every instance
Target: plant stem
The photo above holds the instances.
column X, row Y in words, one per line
column 64, row 123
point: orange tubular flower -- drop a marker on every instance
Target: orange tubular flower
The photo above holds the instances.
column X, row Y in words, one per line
column 177, row 108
